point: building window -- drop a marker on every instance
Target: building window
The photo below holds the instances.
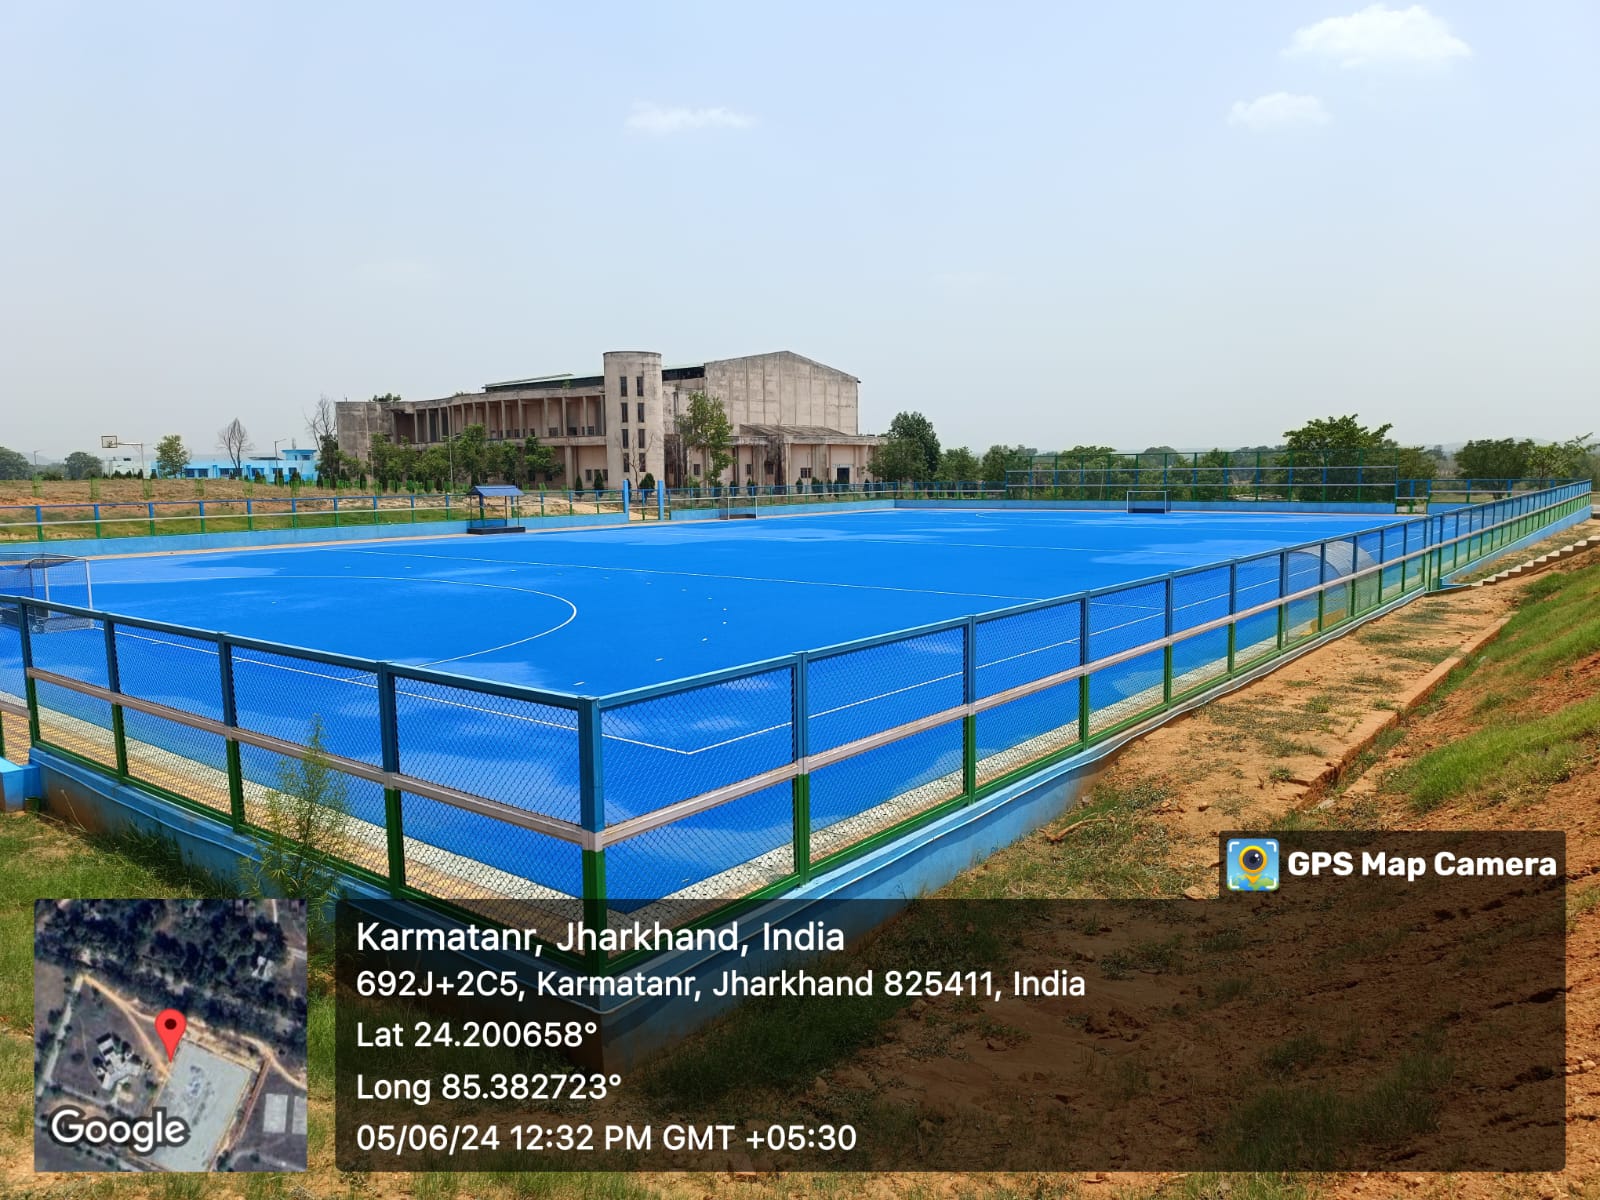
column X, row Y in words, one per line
column 627, row 464
column 805, row 472
column 641, row 412
column 624, row 412
column 697, row 468
column 624, row 439
column 624, row 385
column 749, row 470
column 638, row 385
column 588, row 473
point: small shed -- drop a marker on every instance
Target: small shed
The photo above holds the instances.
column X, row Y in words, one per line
column 497, row 509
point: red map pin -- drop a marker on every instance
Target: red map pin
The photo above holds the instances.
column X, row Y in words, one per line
column 169, row 1028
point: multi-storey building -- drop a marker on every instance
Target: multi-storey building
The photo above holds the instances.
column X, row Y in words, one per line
column 793, row 419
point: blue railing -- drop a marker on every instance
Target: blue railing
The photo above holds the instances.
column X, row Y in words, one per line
column 737, row 783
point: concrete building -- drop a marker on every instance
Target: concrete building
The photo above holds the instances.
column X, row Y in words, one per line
column 293, row 463
column 793, row 419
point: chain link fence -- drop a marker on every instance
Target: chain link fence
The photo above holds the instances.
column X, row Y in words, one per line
column 713, row 790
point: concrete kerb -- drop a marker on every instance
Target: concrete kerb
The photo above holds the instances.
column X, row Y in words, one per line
column 1378, row 724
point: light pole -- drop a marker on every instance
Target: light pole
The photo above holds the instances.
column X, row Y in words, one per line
column 111, row 441
column 276, row 442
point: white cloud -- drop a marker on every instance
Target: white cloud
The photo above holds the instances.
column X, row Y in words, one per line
column 1278, row 110
column 1380, row 36
column 648, row 117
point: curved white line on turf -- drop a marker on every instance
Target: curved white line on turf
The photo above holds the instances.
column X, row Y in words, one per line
column 504, row 587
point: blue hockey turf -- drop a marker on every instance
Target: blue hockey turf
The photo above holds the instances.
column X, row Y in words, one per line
column 595, row 612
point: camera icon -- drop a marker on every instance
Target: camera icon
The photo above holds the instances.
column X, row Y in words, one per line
column 1252, row 864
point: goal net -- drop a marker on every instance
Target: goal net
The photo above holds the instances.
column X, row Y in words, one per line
column 1149, row 501
column 51, row 579
column 733, row 505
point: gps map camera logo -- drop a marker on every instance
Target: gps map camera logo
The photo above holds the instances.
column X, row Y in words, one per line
column 1252, row 864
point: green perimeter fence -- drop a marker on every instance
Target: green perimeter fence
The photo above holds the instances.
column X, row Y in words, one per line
column 466, row 794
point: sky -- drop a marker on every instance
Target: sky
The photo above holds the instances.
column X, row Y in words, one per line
column 1116, row 223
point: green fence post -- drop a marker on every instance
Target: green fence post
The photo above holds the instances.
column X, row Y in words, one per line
column 202, row 504
column 1322, row 594
column 969, row 723
column 801, row 787
column 114, row 685
column 150, row 516
column 389, row 737
column 1233, row 609
column 294, row 512
column 1283, row 590
column 1355, row 587
column 230, row 718
column 336, row 509
column 250, row 515
column 97, row 530
column 1166, row 651
column 1083, row 680
column 25, row 646
column 38, row 521
column 592, row 817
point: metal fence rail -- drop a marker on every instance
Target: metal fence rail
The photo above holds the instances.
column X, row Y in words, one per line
column 723, row 788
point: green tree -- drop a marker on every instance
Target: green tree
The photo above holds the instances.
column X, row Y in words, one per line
column 471, row 454
column 1493, row 458
column 303, row 831
column 914, row 427
column 322, row 424
column 172, row 456
column 81, row 464
column 14, row 464
column 1415, row 462
column 1211, row 480
column 1333, row 458
column 898, row 460
column 957, row 465
column 705, row 427
column 997, row 460
column 1330, row 436
column 1571, row 459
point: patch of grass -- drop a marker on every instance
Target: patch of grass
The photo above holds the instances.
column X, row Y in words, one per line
column 1280, row 775
column 1237, row 1186
column 1502, row 761
column 1580, row 903
column 1317, row 1128
column 436, row 1185
column 1372, row 682
column 1432, row 655
column 1377, row 636
column 183, row 1186
column 1295, row 1054
column 1282, row 747
column 1368, row 758
column 1320, row 703
column 1106, row 847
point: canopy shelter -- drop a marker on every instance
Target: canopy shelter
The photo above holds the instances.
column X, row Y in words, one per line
column 497, row 509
